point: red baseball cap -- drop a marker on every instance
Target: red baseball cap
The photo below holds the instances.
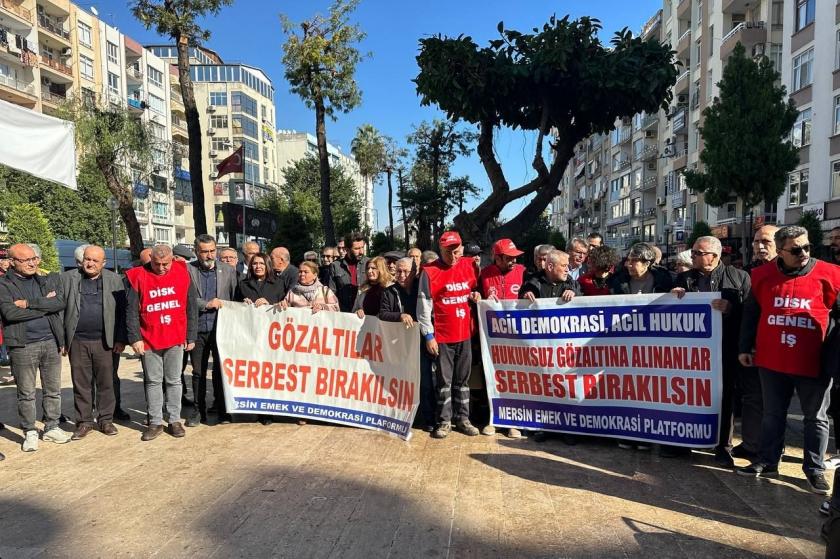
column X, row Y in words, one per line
column 506, row 247
column 450, row 239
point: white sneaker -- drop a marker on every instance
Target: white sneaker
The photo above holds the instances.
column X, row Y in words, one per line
column 488, row 430
column 832, row 461
column 57, row 435
column 30, row 443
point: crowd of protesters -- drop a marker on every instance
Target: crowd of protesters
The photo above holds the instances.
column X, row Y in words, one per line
column 166, row 307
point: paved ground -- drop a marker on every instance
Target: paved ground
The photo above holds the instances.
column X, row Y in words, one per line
column 247, row 490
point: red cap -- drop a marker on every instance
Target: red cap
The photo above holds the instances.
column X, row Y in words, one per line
column 450, row 239
column 506, row 247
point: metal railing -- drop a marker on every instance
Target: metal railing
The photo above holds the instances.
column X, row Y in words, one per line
column 53, row 97
column 18, row 85
column 740, row 27
column 56, row 65
column 53, row 27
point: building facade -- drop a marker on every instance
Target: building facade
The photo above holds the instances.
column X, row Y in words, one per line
column 236, row 104
column 51, row 50
column 293, row 146
column 628, row 185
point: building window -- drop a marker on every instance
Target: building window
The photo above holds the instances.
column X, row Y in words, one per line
column 246, row 126
column 84, row 34
column 160, row 210
column 162, row 235
column 798, row 188
column 139, row 207
column 710, row 84
column 157, row 104
column 218, row 98
column 88, row 97
column 113, row 53
column 219, row 144
column 775, row 56
column 804, row 13
column 252, row 172
column 251, row 150
column 803, row 66
column 777, row 10
column 86, row 67
column 835, row 179
column 837, row 114
column 712, row 35
column 218, row 121
column 837, row 51
column 801, row 133
column 113, row 83
column 158, row 131
column 155, row 76
column 243, row 103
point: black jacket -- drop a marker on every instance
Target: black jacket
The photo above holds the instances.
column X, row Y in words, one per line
column 342, row 286
column 391, row 305
column 272, row 290
column 15, row 318
column 287, row 279
column 542, row 288
column 734, row 286
column 662, row 281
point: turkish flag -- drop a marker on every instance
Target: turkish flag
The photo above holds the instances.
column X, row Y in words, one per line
column 231, row 164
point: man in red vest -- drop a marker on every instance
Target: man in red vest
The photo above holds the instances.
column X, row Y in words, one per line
column 162, row 319
column 782, row 333
column 447, row 286
column 501, row 280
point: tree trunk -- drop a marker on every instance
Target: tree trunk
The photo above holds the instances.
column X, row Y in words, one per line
column 324, row 168
column 125, row 201
column 402, row 208
column 194, row 133
column 390, row 206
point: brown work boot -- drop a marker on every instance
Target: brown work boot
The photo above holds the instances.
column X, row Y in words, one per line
column 107, row 428
column 177, row 430
column 151, row 432
column 82, row 429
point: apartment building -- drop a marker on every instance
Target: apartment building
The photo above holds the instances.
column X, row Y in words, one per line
column 293, row 146
column 811, row 74
column 53, row 49
column 628, row 185
column 236, row 104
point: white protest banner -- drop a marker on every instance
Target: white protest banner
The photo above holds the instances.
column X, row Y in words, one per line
column 326, row 366
column 640, row 367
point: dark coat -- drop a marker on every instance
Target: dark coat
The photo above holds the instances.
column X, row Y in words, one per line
column 113, row 306
column 341, row 284
column 272, row 290
column 15, row 318
column 542, row 288
column 662, row 281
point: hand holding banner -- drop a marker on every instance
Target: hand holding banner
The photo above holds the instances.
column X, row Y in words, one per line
column 326, row 366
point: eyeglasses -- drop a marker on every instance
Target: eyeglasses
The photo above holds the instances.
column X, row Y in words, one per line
column 33, row 260
column 696, row 253
column 797, row 251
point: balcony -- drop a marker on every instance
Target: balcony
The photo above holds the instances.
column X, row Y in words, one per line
column 735, row 6
column 679, row 198
column 175, row 95
column 56, row 66
column 179, row 127
column 134, row 73
column 748, row 33
column 684, row 42
column 54, row 98
column 649, row 152
column 17, row 10
column 136, row 104
column 682, row 83
column 619, row 164
column 17, row 92
column 649, row 183
column 684, row 9
column 54, row 29
column 649, row 121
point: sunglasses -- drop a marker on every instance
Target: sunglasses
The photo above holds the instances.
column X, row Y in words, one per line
column 797, row 251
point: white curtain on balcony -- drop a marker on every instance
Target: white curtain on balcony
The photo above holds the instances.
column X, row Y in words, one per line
column 37, row 144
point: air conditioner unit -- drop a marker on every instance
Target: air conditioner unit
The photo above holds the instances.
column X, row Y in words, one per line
column 682, row 99
column 651, row 166
column 211, row 131
column 213, row 154
column 211, row 108
column 660, row 200
column 668, row 151
column 214, row 174
column 650, row 133
column 66, row 52
column 669, row 141
column 13, row 48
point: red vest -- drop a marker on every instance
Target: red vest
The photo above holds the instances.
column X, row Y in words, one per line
column 504, row 286
column 588, row 287
column 794, row 317
column 450, row 288
column 163, row 304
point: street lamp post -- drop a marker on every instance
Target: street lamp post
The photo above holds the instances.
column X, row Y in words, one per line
column 113, row 205
column 667, row 230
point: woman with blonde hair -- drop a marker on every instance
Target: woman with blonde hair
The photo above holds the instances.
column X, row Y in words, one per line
column 377, row 294
column 309, row 292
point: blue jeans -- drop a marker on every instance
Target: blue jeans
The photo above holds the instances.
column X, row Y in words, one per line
column 27, row 362
column 777, row 390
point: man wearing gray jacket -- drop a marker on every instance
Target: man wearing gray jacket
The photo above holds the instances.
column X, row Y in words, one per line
column 94, row 330
column 215, row 282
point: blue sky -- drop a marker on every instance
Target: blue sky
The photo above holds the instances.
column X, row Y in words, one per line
column 250, row 32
